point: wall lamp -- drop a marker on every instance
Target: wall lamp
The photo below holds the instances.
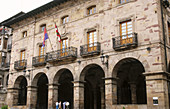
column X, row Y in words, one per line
column 105, row 62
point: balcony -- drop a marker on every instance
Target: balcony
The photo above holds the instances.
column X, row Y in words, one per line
column 69, row 53
column 21, row 64
column 39, row 60
column 125, row 42
column 90, row 49
column 9, row 47
column 5, row 66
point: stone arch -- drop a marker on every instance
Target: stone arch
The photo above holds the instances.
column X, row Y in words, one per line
column 94, row 90
column 36, row 77
column 85, row 68
column 130, row 82
column 40, row 82
column 20, row 97
column 141, row 59
column 63, row 80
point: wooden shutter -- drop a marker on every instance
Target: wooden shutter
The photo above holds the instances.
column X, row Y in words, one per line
column 92, row 40
column 126, row 32
column 64, row 47
column 41, row 53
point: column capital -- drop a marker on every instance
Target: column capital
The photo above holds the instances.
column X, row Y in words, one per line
column 57, row 84
column 82, row 82
column 78, row 83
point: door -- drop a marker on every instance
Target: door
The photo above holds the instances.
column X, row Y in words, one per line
column 22, row 57
column 64, row 47
column 41, row 53
column 126, row 32
column 92, row 41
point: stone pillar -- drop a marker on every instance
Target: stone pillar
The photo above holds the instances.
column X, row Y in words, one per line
column 78, row 94
column 133, row 92
column 31, row 97
column 52, row 95
column 12, row 97
column 110, row 92
column 157, row 86
column 102, row 97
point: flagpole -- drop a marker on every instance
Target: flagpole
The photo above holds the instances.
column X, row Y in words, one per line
column 51, row 44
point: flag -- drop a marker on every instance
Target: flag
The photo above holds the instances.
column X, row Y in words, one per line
column 58, row 34
column 45, row 37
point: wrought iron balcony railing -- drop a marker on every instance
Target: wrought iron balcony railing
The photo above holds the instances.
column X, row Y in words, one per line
column 90, row 49
column 5, row 66
column 21, row 64
column 125, row 41
column 69, row 53
column 39, row 60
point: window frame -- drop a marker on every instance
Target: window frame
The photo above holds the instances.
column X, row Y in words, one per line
column 65, row 19
column 91, row 8
column 41, row 27
column 23, row 34
column 125, row 1
column 22, row 52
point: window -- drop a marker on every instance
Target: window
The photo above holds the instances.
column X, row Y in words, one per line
column 92, row 40
column 5, row 43
column 126, row 32
column 64, row 45
column 22, row 57
column 91, row 10
column 42, row 27
column 24, row 34
column 41, row 50
column 123, row 1
column 65, row 19
column 41, row 53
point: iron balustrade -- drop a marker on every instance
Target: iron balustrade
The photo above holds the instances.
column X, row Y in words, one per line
column 125, row 41
column 39, row 60
column 62, row 54
column 90, row 49
column 21, row 64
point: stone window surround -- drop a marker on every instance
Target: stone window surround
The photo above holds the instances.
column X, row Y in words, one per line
column 37, row 48
column 95, row 27
column 64, row 16
column 119, row 20
column 87, row 9
column 119, row 4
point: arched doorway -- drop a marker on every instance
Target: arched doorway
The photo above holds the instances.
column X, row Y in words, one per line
column 42, row 92
column 94, row 90
column 131, row 85
column 21, row 85
column 65, row 88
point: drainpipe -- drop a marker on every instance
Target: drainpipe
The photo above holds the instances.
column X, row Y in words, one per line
column 164, row 36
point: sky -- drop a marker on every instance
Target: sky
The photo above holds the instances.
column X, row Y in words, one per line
column 9, row 8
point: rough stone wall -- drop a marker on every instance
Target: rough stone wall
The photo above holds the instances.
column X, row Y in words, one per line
column 143, row 14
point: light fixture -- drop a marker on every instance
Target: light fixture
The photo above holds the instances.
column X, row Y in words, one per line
column 103, row 57
column 79, row 61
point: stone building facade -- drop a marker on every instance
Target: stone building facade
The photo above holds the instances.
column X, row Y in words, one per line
column 5, row 56
column 112, row 54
